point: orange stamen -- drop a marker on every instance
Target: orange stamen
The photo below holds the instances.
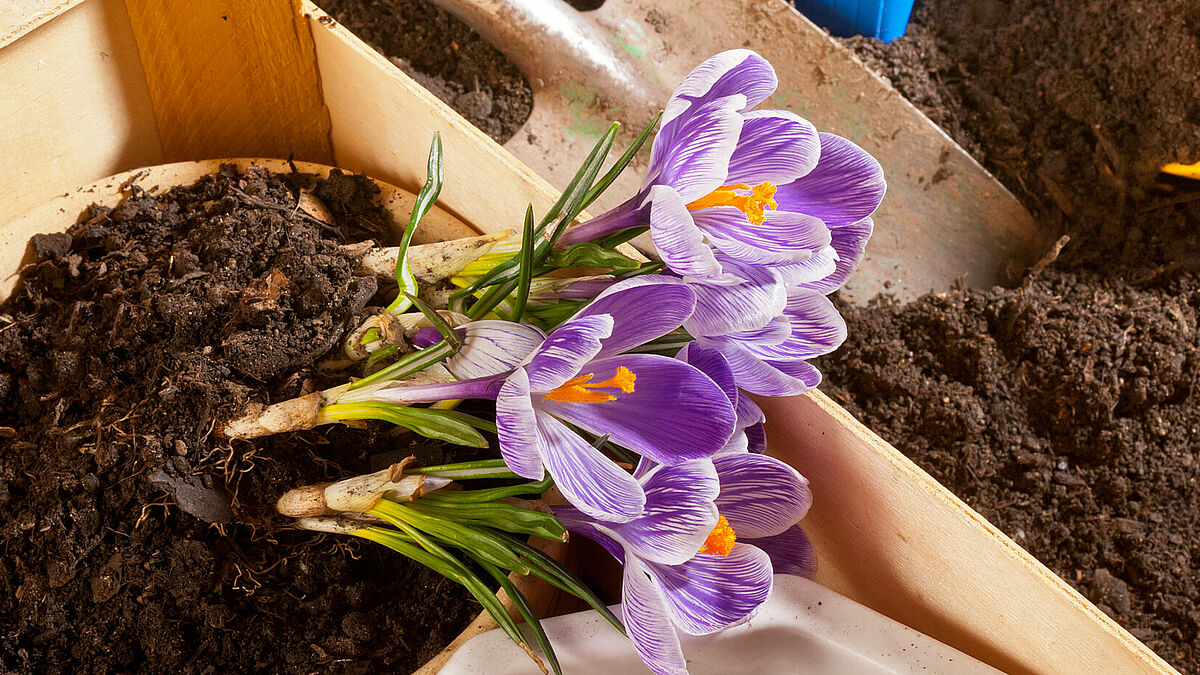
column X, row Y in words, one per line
column 754, row 205
column 721, row 540
column 582, row 390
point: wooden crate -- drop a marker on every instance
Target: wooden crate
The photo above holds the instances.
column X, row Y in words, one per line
column 90, row 88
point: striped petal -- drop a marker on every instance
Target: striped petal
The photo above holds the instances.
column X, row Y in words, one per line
column 737, row 71
column 791, row 552
column 679, row 513
column 674, row 414
column 760, row 496
column 845, row 187
column 783, row 237
column 711, row 592
column 850, row 246
column 776, row 146
column 728, row 307
column 493, row 347
column 593, row 483
column 679, row 242
column 692, row 154
column 516, row 427
column 567, row 349
column 627, row 302
column 816, row 329
column 648, row 622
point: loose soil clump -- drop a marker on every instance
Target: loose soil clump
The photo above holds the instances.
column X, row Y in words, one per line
column 136, row 538
column 1065, row 411
column 445, row 56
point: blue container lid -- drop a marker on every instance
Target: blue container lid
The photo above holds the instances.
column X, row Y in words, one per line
column 885, row 20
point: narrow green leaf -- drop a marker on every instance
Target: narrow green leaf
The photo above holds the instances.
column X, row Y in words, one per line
column 549, row 570
column 482, row 468
column 382, row 354
column 484, row 543
column 504, row 517
column 615, row 240
column 424, row 202
column 448, row 333
column 425, row 421
column 531, row 618
column 525, row 278
column 469, row 419
column 411, row 363
column 652, row 267
column 593, row 255
column 492, row 494
column 622, row 162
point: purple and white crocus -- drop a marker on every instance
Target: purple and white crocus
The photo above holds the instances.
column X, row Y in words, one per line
column 701, row 556
column 761, row 214
column 582, row 376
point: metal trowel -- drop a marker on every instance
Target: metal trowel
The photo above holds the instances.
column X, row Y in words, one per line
column 945, row 218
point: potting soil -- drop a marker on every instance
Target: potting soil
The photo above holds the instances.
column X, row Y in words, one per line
column 1066, row 411
column 135, row 538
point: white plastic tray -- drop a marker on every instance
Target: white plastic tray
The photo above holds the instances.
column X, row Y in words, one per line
column 804, row 627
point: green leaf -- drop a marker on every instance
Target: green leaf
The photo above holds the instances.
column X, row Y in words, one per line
column 622, row 162
column 484, row 543
column 409, row 364
column 382, row 354
column 525, row 277
column 593, row 255
column 436, row 320
column 480, row 468
column 428, row 422
column 424, row 202
column 531, row 618
column 504, row 517
column 615, row 240
column 547, row 569
column 492, row 494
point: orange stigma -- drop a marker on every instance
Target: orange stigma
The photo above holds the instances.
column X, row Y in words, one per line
column 582, row 390
column 721, row 540
column 754, row 205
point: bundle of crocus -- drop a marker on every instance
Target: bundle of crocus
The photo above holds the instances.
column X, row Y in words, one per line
column 625, row 390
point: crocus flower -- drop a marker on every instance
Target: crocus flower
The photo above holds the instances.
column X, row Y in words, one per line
column 580, row 375
column 700, row 557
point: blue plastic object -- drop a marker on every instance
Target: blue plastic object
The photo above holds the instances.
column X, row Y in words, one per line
column 885, row 20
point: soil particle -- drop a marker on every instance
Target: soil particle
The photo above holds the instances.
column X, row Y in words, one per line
column 445, row 56
column 134, row 538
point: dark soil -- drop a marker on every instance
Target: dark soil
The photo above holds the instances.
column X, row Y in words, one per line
column 136, row 539
column 445, row 56
column 1067, row 411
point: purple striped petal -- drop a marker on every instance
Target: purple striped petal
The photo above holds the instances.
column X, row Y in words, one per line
column 760, row 377
column 784, row 237
column 692, row 155
column 816, row 329
column 679, row 242
column 516, row 427
column 593, row 483
column 627, row 303
column 845, row 187
column 711, row 363
column 674, row 414
column 567, row 350
column 775, row 332
column 760, row 496
column 756, row 437
column 850, row 245
column 727, row 307
column 493, row 347
column 711, row 592
column 425, row 336
column 748, row 412
column 646, row 618
column 737, row 71
column 775, row 146
column 791, row 552
column 820, row 265
column 679, row 514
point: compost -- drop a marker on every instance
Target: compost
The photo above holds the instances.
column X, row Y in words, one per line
column 1066, row 410
column 137, row 539
column 445, row 56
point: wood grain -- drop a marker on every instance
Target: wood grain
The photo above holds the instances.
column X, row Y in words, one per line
column 232, row 78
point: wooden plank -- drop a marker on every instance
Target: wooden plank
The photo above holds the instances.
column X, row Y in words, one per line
column 383, row 122
column 232, row 78
column 18, row 17
column 891, row 537
column 74, row 105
